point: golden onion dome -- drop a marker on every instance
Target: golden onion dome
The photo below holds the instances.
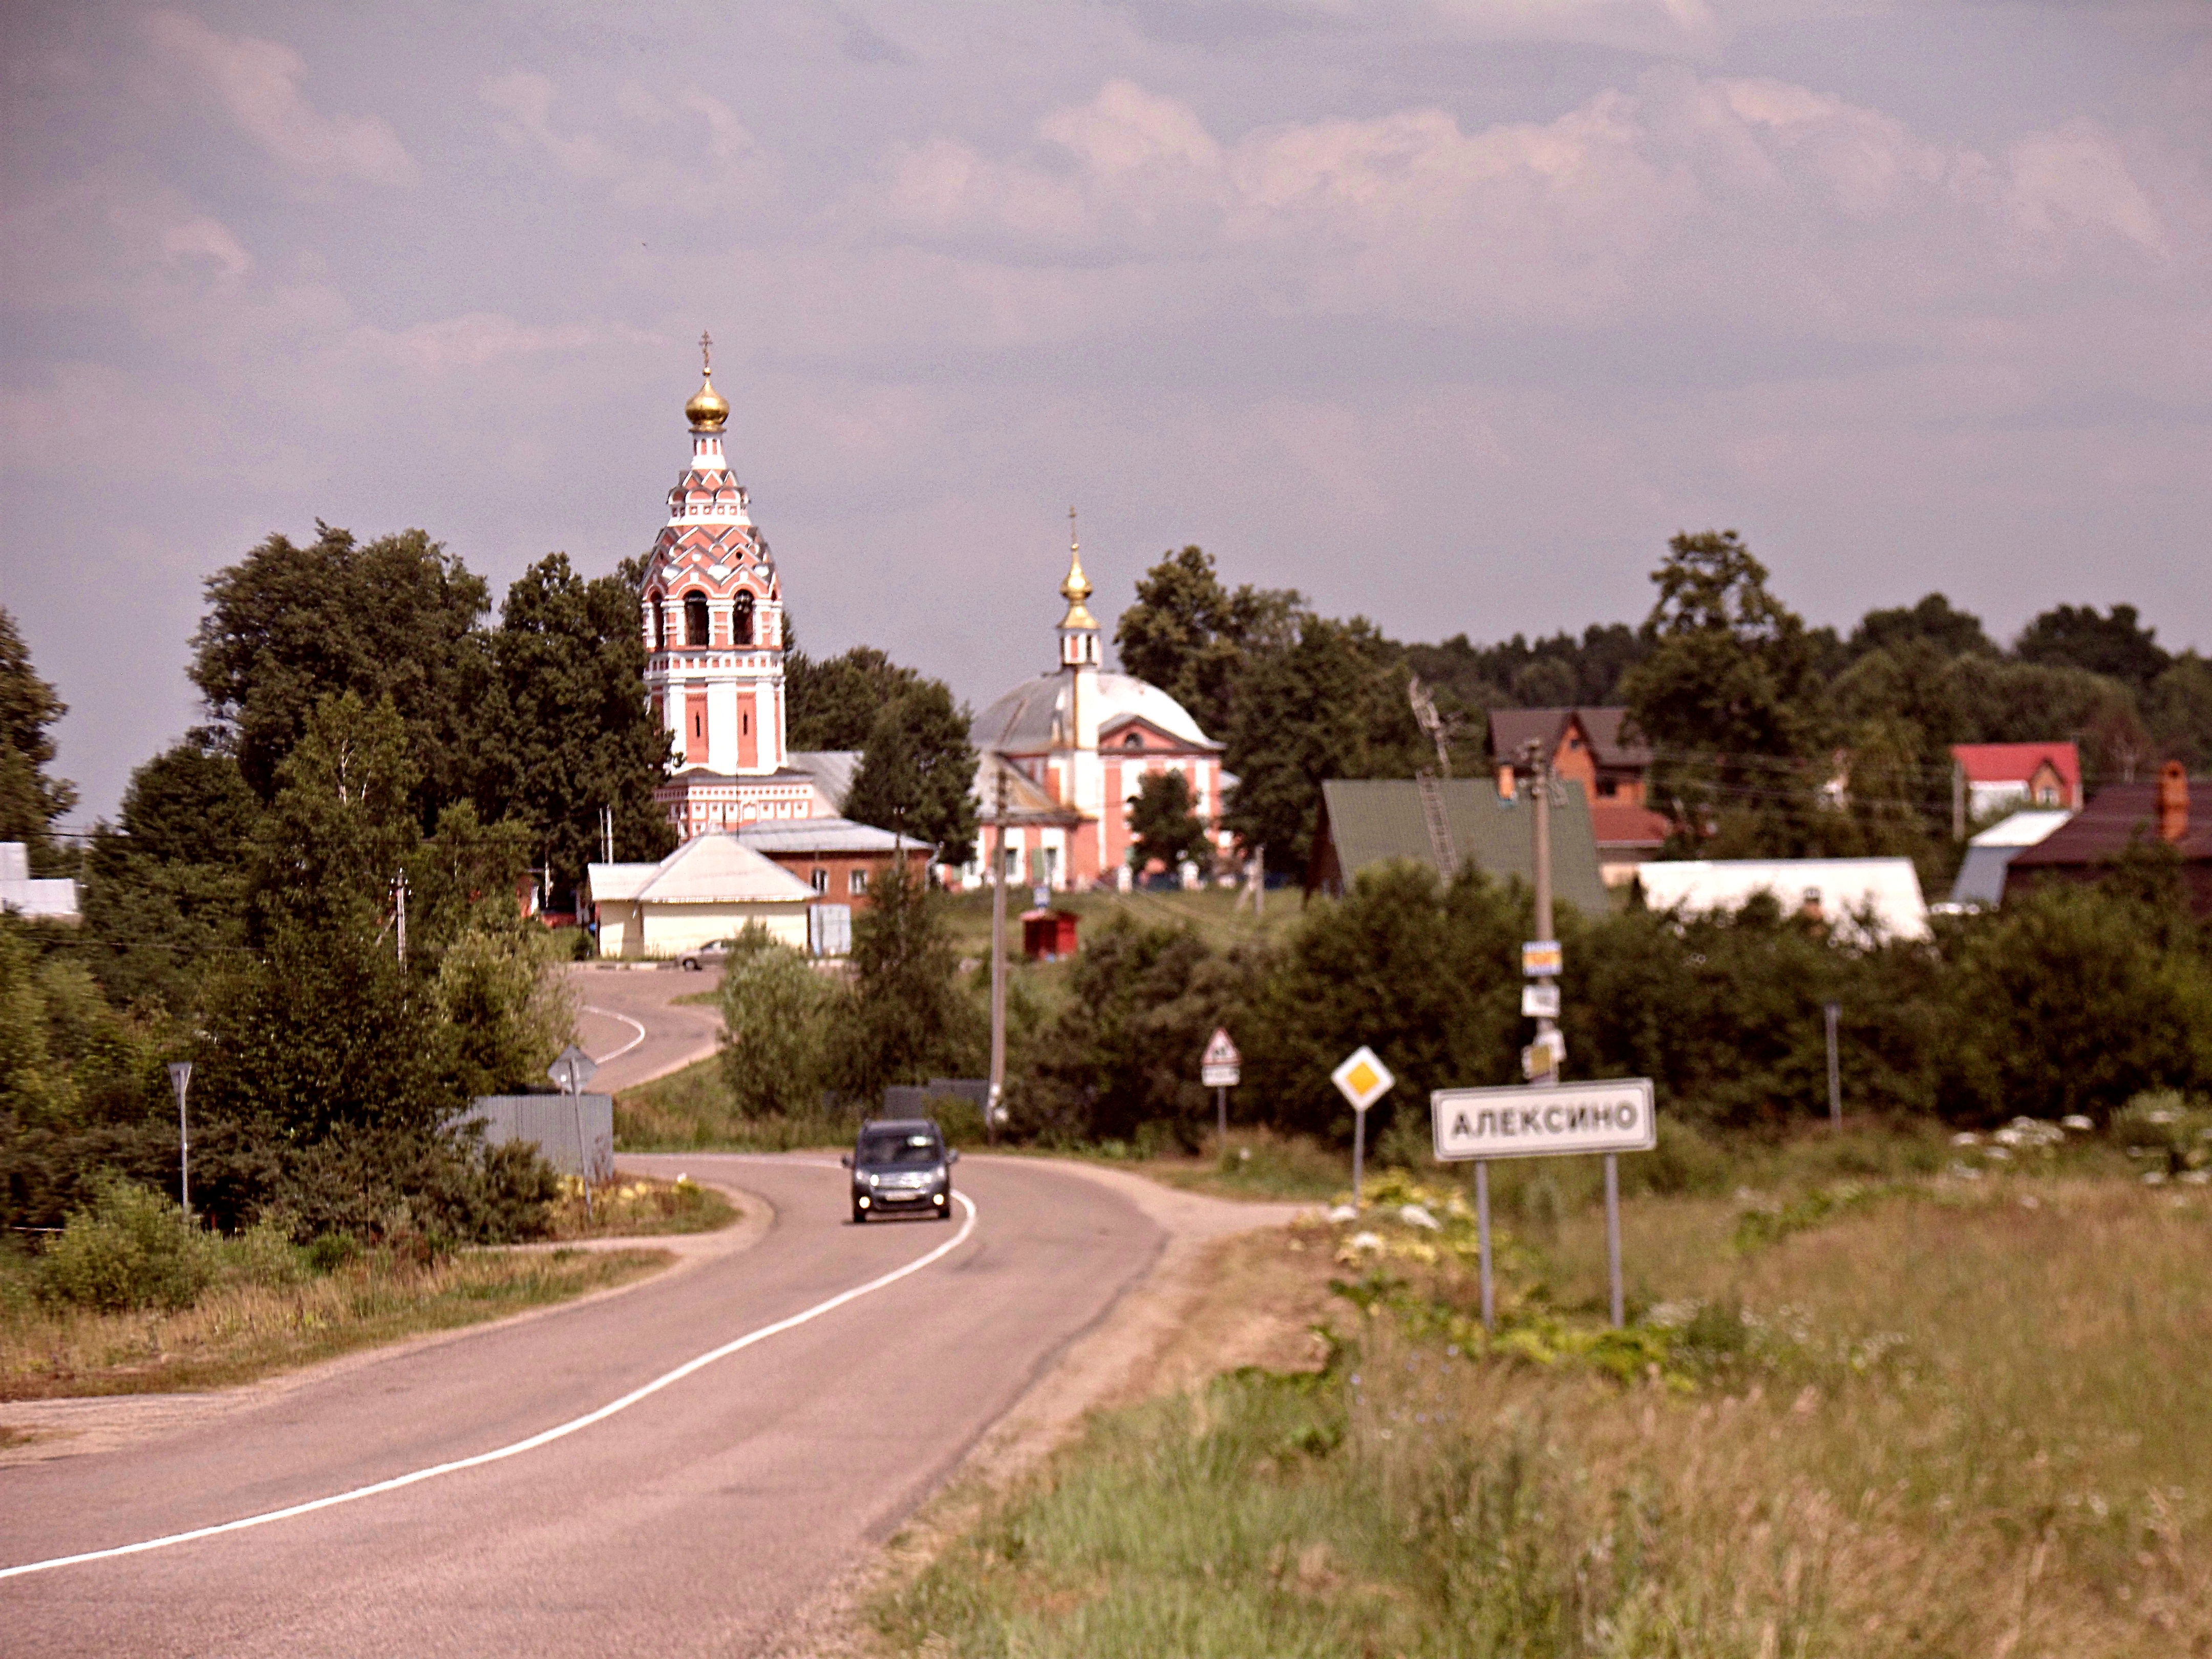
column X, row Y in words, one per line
column 1077, row 588
column 708, row 409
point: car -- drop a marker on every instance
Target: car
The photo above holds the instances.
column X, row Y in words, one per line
column 901, row 1166
column 712, row 954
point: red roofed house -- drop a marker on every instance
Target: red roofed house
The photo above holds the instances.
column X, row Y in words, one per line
column 2083, row 848
column 1586, row 744
column 2002, row 775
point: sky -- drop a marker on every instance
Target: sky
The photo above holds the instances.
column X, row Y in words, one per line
column 1448, row 312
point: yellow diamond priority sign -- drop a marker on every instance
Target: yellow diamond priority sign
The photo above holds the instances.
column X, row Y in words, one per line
column 1363, row 1079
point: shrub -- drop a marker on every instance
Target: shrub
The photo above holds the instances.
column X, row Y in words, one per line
column 775, row 1009
column 130, row 1249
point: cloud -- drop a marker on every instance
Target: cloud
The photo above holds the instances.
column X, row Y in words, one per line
column 688, row 152
column 256, row 84
column 1681, row 196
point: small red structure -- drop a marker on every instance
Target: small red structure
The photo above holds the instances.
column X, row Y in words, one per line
column 1048, row 935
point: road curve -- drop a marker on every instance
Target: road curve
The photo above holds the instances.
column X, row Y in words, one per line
column 630, row 1021
column 696, row 1520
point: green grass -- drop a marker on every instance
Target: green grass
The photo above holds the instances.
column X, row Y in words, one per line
column 1932, row 1415
column 240, row 1332
column 638, row 1206
column 691, row 1110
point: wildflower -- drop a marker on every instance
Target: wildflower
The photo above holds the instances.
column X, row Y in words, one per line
column 2162, row 1116
column 1414, row 1215
column 2077, row 1122
column 1366, row 1241
column 2197, row 1177
column 1997, row 1155
column 2154, row 1177
column 1963, row 1172
column 1965, row 1138
column 1343, row 1212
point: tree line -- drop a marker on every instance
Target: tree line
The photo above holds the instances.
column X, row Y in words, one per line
column 1754, row 715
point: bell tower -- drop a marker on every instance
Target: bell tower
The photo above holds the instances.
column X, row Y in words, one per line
column 712, row 609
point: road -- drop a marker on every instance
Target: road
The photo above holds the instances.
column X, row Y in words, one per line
column 630, row 1021
column 697, row 1520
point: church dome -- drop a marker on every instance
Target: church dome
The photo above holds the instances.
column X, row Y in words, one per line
column 708, row 409
column 1032, row 718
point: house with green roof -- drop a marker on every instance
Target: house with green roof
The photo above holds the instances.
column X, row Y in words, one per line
column 1367, row 821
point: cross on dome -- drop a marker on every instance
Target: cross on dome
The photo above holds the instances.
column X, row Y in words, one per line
column 708, row 410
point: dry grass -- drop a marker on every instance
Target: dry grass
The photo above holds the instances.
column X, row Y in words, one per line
column 238, row 1333
column 637, row 1206
column 1941, row 1422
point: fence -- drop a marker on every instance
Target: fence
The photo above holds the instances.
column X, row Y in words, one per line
column 549, row 1122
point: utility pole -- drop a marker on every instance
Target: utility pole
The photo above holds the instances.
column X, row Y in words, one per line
column 998, row 958
column 180, row 1079
column 607, row 832
column 1834, row 1011
column 399, row 887
column 1957, row 801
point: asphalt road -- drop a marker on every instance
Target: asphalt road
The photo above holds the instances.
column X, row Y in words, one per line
column 696, row 1520
column 630, row 1021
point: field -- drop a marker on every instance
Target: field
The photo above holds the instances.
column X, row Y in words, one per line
column 1957, row 1411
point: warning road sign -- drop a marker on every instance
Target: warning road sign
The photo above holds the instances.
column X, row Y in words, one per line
column 1221, row 1065
column 1363, row 1079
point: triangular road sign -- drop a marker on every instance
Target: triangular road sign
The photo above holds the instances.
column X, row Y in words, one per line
column 572, row 1070
column 1220, row 1051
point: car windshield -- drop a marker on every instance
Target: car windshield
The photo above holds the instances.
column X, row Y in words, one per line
column 879, row 1152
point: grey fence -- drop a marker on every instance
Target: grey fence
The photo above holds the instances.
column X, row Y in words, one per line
column 912, row 1099
column 549, row 1124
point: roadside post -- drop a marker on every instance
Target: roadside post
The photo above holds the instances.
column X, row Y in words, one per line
column 1556, row 1120
column 1218, row 1069
column 572, row 1071
column 1363, row 1080
column 180, row 1079
column 1834, row 1011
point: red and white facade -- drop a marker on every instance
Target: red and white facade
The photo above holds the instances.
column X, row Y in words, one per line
column 1082, row 740
column 712, row 610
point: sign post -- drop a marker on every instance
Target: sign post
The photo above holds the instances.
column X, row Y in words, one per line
column 572, row 1070
column 1363, row 1080
column 1555, row 1120
column 180, row 1079
column 1219, row 1068
column 1834, row 1011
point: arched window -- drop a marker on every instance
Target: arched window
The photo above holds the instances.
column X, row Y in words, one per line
column 1135, row 740
column 741, row 620
column 695, row 619
column 660, row 621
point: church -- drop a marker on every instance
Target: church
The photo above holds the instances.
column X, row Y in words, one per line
column 1061, row 755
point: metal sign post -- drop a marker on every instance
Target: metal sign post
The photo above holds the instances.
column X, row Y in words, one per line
column 572, row 1071
column 1834, row 1011
column 180, row 1079
column 1220, row 1068
column 1555, row 1120
column 1363, row 1080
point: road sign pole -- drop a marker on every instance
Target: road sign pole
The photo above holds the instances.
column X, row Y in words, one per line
column 1482, row 1233
column 1613, row 1232
column 1834, row 1011
column 1221, row 1116
column 180, row 1079
column 1358, row 1151
column 998, row 962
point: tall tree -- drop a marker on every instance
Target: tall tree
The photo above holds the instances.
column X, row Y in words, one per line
column 1191, row 637
column 1330, row 704
column 2115, row 644
column 395, row 618
column 565, row 730
column 1730, row 697
column 907, row 1018
column 165, row 886
column 1163, row 828
column 917, row 772
column 30, row 801
column 833, row 704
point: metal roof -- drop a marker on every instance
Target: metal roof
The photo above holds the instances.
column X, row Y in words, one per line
column 709, row 869
column 1840, row 888
column 1032, row 718
column 823, row 836
column 832, row 770
column 1372, row 820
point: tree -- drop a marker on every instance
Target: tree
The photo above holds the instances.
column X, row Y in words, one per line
column 396, row 617
column 2114, row 644
column 165, row 886
column 566, row 730
column 1551, row 673
column 1163, row 830
column 1191, row 637
column 834, row 704
column 907, row 1018
column 1951, row 632
column 2180, row 711
column 775, row 1009
column 30, row 801
column 917, row 772
column 1729, row 696
column 342, row 829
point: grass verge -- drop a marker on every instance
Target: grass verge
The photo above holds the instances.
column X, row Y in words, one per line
column 637, row 1206
column 691, row 1110
column 1937, row 1416
column 241, row 1332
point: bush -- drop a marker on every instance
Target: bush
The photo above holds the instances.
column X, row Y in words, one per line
column 775, row 1011
column 130, row 1249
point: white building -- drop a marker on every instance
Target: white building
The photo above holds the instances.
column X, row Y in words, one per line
column 708, row 888
column 1838, row 892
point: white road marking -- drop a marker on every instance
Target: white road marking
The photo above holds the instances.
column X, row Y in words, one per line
column 634, row 1025
column 544, row 1438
